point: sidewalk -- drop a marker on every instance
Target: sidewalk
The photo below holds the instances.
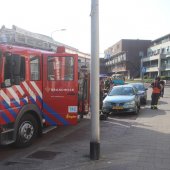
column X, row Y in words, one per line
column 143, row 143
column 127, row 143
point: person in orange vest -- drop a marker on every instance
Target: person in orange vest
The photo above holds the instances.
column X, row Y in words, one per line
column 156, row 89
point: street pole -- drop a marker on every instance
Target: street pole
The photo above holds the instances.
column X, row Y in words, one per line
column 94, row 98
column 141, row 70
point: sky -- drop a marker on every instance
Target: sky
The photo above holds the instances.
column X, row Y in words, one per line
column 118, row 19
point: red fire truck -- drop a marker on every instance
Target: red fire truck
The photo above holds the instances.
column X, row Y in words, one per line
column 39, row 90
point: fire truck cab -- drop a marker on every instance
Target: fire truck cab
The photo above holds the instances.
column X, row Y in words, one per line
column 39, row 90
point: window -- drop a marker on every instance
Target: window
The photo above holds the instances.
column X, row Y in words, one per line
column 34, row 68
column 11, row 66
column 162, row 50
column 14, row 71
column 60, row 68
column 118, row 58
column 124, row 57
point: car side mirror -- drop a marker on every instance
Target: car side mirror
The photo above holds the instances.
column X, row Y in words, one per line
column 105, row 94
column 138, row 93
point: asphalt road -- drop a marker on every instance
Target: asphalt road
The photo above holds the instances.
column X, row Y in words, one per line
column 68, row 147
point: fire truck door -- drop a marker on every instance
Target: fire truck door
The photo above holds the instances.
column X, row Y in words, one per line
column 60, row 90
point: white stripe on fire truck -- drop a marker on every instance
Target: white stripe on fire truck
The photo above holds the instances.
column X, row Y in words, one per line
column 29, row 91
column 36, row 88
column 14, row 95
column 5, row 97
column 20, row 90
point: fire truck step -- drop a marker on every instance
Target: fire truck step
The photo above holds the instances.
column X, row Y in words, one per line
column 47, row 129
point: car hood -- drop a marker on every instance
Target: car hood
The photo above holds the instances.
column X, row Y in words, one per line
column 118, row 99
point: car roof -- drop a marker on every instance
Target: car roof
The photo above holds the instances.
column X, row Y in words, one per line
column 125, row 85
column 136, row 83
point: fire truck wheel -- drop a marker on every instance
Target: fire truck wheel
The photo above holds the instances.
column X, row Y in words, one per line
column 27, row 131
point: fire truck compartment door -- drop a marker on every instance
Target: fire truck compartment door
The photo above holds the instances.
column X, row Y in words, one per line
column 60, row 90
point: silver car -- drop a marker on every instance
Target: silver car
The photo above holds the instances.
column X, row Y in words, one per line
column 123, row 98
column 142, row 91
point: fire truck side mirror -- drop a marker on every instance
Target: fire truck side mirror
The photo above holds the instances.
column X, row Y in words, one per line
column 6, row 83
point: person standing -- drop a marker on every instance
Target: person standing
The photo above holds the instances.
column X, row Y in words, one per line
column 156, row 89
column 107, row 84
column 162, row 82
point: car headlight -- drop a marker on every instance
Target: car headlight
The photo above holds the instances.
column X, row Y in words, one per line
column 107, row 104
column 129, row 104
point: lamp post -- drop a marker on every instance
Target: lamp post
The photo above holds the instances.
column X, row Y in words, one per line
column 63, row 29
column 141, row 54
column 95, row 124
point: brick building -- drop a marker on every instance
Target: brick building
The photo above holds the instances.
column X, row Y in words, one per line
column 124, row 57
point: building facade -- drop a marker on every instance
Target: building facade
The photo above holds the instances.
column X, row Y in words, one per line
column 157, row 61
column 124, row 57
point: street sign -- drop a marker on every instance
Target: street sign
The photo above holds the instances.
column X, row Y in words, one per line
column 107, row 56
column 143, row 69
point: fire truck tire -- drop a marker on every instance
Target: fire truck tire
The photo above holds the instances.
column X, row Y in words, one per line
column 27, row 131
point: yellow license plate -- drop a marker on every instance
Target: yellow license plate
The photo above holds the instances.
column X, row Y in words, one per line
column 117, row 107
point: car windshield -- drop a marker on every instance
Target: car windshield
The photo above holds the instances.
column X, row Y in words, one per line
column 139, row 86
column 118, row 90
